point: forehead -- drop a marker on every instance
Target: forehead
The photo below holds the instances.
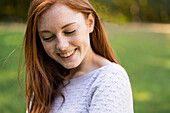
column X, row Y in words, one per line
column 58, row 15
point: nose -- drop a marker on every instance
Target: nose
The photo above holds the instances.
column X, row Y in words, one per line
column 62, row 43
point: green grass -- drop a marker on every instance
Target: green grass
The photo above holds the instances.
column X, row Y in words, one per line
column 145, row 56
column 11, row 99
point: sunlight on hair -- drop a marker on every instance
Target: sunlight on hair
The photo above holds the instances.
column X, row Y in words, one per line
column 12, row 52
column 8, row 57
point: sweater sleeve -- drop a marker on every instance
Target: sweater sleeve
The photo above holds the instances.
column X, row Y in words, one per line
column 113, row 95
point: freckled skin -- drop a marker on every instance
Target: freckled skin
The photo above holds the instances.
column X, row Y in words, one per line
column 52, row 21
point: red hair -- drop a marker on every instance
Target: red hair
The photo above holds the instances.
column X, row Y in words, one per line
column 44, row 76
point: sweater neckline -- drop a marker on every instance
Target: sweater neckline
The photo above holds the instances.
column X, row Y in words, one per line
column 86, row 76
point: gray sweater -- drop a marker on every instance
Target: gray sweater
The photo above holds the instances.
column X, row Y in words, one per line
column 104, row 90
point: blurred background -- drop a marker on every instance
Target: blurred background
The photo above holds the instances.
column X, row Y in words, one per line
column 138, row 31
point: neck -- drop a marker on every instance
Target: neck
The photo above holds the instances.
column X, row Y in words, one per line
column 87, row 65
column 91, row 62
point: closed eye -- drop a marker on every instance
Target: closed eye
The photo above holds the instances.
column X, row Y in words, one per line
column 70, row 32
column 48, row 38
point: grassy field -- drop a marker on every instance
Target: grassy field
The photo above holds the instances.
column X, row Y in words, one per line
column 143, row 53
column 11, row 100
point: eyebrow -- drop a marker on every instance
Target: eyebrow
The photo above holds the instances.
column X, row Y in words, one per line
column 67, row 25
column 46, row 31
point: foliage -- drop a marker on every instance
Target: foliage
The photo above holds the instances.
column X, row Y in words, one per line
column 134, row 10
column 14, row 10
column 109, row 10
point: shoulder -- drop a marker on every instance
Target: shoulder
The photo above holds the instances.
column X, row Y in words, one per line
column 114, row 81
column 113, row 71
column 113, row 90
column 112, row 78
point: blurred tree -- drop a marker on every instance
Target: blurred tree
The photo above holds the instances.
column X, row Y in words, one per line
column 103, row 8
column 109, row 10
column 154, row 11
column 14, row 10
column 134, row 10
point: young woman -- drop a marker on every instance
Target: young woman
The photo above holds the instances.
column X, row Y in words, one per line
column 70, row 66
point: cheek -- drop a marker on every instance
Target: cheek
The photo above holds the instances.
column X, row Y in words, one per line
column 48, row 48
column 81, row 41
column 85, row 40
column 82, row 36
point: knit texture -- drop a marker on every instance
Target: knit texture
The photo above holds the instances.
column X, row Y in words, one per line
column 104, row 90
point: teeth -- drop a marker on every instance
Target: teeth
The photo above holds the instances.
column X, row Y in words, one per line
column 67, row 54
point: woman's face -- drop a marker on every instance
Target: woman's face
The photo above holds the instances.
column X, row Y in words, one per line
column 64, row 34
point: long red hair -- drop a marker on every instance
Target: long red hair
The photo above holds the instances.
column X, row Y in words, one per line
column 44, row 76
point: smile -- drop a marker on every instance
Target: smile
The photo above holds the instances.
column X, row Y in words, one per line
column 68, row 54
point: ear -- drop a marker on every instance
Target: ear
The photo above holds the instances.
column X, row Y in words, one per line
column 91, row 22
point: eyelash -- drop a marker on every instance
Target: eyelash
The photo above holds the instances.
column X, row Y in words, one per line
column 48, row 38
column 67, row 33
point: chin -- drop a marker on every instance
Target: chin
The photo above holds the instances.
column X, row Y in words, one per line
column 70, row 66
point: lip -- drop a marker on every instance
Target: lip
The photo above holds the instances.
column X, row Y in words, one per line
column 67, row 58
